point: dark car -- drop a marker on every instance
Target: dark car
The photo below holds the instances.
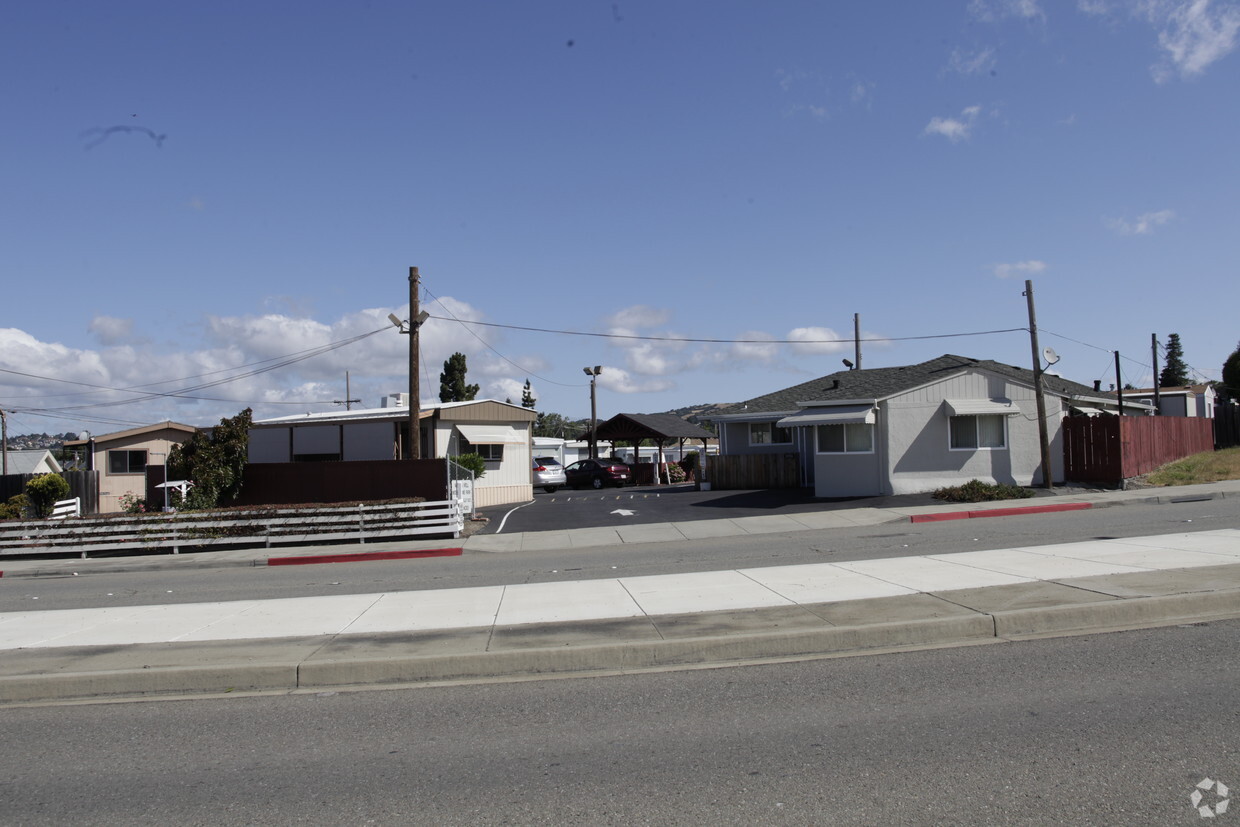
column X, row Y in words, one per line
column 597, row 473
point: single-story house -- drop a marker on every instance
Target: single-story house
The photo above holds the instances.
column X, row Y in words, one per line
column 1185, row 400
column 913, row 428
column 121, row 458
column 31, row 461
column 498, row 431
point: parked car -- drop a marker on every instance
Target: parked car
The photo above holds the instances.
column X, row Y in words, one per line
column 597, row 473
column 549, row 474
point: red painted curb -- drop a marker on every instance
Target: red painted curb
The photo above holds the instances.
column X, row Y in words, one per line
column 361, row 557
column 939, row 518
column 999, row 512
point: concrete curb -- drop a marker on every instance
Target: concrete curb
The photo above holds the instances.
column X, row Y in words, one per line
column 998, row 512
column 312, row 671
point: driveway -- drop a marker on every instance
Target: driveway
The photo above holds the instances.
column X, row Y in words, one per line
column 567, row 509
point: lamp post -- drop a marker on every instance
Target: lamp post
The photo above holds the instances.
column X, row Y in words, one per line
column 593, row 374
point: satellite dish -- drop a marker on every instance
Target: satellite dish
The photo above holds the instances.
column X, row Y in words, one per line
column 1049, row 354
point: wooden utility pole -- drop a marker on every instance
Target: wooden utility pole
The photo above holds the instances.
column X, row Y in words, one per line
column 1044, row 444
column 4, row 441
column 857, row 340
column 415, row 404
column 1154, row 354
column 1119, row 385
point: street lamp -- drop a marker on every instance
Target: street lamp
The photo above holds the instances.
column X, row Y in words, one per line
column 593, row 374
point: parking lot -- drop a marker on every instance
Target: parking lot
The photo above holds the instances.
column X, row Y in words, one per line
column 587, row 508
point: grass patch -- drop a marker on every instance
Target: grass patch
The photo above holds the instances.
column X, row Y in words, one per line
column 976, row 491
column 1210, row 466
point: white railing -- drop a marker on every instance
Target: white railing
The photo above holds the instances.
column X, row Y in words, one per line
column 204, row 530
column 66, row 508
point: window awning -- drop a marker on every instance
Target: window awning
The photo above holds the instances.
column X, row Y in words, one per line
column 491, row 434
column 976, row 407
column 1087, row 411
column 836, row 415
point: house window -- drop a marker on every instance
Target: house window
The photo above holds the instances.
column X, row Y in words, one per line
column 126, row 462
column 969, row 433
column 490, row 453
column 768, row 433
column 846, row 438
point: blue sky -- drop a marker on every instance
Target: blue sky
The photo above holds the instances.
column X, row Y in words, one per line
column 194, row 190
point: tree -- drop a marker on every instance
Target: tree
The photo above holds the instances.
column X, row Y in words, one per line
column 1175, row 372
column 555, row 425
column 215, row 463
column 527, row 396
column 44, row 491
column 1231, row 374
column 452, row 387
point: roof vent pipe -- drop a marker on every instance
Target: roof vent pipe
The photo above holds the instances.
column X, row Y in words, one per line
column 1097, row 384
column 835, row 384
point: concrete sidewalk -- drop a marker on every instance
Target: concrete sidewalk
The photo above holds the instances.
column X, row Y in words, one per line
column 309, row 644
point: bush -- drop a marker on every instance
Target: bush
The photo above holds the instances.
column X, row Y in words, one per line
column 976, row 491
column 675, row 473
column 474, row 462
column 15, row 508
column 131, row 503
column 44, row 491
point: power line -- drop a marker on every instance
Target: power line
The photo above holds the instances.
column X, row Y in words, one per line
column 488, row 346
column 185, row 393
column 690, row 340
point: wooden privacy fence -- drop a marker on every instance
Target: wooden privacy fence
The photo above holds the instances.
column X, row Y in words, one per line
column 203, row 530
column 1111, row 449
column 82, row 484
column 747, row 471
column 1226, row 426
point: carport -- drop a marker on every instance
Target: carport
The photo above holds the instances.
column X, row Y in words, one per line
column 661, row 429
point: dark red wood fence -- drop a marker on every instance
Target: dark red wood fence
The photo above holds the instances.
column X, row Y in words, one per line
column 290, row 483
column 1111, row 449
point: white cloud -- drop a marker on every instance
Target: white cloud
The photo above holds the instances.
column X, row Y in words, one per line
column 817, row 340
column 1019, row 268
column 954, row 129
column 504, row 389
column 990, row 11
column 109, row 330
column 1098, row 8
column 1142, row 225
column 618, row 380
column 755, row 348
column 637, row 316
column 861, row 93
column 1193, row 34
column 977, row 63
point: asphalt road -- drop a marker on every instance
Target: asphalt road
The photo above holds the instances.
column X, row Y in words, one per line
column 587, row 508
column 482, row 569
column 1101, row 729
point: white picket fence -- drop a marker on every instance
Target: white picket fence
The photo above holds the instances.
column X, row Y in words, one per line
column 203, row 530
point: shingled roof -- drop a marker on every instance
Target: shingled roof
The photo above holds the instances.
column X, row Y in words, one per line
column 881, row 383
column 650, row 426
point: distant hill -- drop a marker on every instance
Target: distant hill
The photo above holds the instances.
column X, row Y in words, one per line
column 697, row 413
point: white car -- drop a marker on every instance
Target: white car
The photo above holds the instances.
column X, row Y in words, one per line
column 549, row 474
